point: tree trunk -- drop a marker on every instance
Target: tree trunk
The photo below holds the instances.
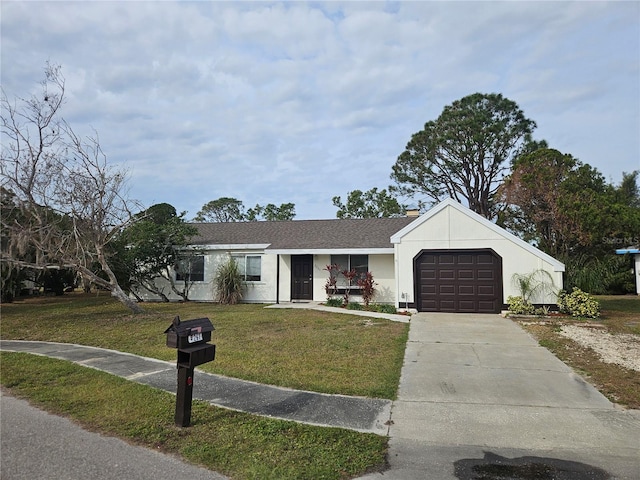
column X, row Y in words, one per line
column 113, row 285
column 127, row 301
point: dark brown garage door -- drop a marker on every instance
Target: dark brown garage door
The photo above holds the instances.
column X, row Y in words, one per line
column 458, row 281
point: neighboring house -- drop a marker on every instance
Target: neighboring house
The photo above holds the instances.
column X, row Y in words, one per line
column 635, row 251
column 449, row 259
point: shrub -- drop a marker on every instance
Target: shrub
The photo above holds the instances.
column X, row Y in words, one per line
column 384, row 308
column 228, row 283
column 543, row 311
column 578, row 304
column 334, row 302
column 520, row 306
column 610, row 274
column 354, row 306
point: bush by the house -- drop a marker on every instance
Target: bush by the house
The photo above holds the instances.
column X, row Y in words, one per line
column 578, row 304
column 228, row 283
column 383, row 308
column 519, row 306
column 334, row 302
column 542, row 311
column 372, row 307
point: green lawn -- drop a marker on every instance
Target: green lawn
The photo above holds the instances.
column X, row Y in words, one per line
column 239, row 445
column 301, row 349
column 304, row 349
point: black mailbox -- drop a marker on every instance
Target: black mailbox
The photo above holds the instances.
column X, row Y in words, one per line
column 190, row 338
column 188, row 333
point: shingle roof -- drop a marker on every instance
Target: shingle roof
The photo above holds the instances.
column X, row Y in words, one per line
column 303, row 234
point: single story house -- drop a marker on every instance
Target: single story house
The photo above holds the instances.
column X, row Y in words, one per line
column 448, row 259
column 635, row 251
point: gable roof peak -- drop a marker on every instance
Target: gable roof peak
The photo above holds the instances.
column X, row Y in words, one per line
column 451, row 203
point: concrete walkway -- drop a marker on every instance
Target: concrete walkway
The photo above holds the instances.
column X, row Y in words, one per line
column 354, row 413
column 479, row 395
column 360, row 313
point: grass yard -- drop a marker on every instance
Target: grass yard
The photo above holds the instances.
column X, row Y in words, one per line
column 236, row 444
column 304, row 349
column 296, row 348
column 620, row 315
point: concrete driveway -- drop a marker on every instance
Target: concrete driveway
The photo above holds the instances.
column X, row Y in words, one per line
column 479, row 398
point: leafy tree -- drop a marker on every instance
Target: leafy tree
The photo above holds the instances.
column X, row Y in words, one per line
column 227, row 209
column 628, row 192
column 271, row 212
column 563, row 206
column 569, row 211
column 70, row 203
column 154, row 244
column 224, row 209
column 369, row 204
column 465, row 152
column 531, row 193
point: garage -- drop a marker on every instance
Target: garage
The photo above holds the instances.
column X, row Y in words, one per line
column 463, row 281
column 451, row 259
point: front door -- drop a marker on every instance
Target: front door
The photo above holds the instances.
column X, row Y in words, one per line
column 302, row 277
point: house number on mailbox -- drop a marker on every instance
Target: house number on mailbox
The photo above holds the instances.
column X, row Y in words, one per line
column 196, row 337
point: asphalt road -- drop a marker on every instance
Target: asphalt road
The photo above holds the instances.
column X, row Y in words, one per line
column 37, row 445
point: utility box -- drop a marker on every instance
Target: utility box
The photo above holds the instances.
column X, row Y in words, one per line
column 190, row 338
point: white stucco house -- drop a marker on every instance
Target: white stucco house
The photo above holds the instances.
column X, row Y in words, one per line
column 448, row 259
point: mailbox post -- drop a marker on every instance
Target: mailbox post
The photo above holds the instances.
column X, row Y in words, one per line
column 190, row 338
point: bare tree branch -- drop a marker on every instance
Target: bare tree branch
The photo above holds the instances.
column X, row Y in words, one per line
column 69, row 201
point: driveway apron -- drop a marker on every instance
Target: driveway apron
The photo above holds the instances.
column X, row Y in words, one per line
column 477, row 392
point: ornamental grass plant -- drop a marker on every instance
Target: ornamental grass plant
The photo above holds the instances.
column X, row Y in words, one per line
column 229, row 283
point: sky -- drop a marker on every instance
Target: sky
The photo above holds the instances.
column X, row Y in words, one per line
column 277, row 102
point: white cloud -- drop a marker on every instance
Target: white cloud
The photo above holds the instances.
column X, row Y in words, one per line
column 298, row 102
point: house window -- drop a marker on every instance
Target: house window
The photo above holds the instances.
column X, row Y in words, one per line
column 359, row 263
column 190, row 269
column 250, row 267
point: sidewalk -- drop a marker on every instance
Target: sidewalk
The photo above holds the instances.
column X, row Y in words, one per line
column 354, row 413
column 361, row 313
